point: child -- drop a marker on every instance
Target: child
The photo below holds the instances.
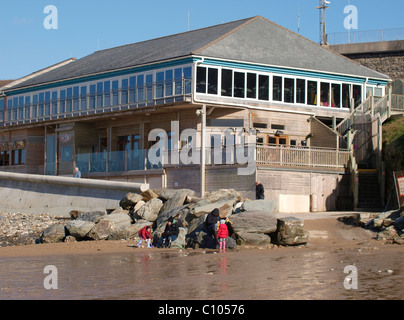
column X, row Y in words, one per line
column 145, row 234
column 222, row 234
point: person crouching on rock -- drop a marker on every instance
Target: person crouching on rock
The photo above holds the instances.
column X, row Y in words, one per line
column 222, row 234
column 211, row 222
column 170, row 233
column 145, row 234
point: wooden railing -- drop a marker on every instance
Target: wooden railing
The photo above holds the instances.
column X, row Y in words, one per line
column 305, row 157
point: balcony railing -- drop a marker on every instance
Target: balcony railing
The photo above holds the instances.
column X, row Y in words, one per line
column 156, row 93
column 302, row 157
column 265, row 155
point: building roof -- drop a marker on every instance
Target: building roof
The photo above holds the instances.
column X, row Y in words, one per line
column 4, row 82
column 254, row 40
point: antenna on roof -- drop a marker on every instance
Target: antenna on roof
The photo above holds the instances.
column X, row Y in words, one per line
column 323, row 5
column 188, row 20
column 298, row 19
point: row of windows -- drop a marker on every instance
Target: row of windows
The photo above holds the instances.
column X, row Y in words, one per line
column 265, row 87
column 134, row 89
column 12, row 157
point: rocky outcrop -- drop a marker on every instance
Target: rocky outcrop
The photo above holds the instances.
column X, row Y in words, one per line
column 250, row 222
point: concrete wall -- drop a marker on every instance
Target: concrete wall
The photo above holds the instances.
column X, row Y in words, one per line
column 57, row 196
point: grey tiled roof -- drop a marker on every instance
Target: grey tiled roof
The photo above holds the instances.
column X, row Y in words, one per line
column 255, row 40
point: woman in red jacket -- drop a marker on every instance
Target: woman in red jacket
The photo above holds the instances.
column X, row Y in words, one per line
column 222, row 234
column 145, row 234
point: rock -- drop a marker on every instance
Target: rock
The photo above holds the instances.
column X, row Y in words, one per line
column 102, row 230
column 390, row 233
column 79, row 228
column 225, row 207
column 70, row 239
column 54, row 233
column 180, row 241
column 121, row 220
column 177, row 200
column 270, row 206
column 253, row 239
column 90, row 216
column 220, row 195
column 150, row 210
column 130, row 200
column 74, row 214
column 254, row 222
column 180, row 213
column 148, row 195
column 138, row 205
column 290, row 232
column 166, row 194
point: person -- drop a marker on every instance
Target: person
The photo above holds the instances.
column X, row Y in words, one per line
column 222, row 234
column 145, row 234
column 77, row 173
column 211, row 222
column 170, row 233
column 259, row 191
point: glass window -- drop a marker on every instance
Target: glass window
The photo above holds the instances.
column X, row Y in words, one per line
column 159, row 84
column 107, row 93
column 357, row 95
column 178, row 81
column 54, row 102
column 47, row 103
column 67, row 153
column 41, row 104
column 140, row 86
column 346, row 95
column 1, row 112
column 263, row 91
column 115, row 92
column 378, row 92
column 300, row 91
column 27, row 107
column 69, row 100
column 239, row 84
column 325, row 94
column 149, row 87
column 92, row 96
column 251, row 85
column 124, row 92
column 83, row 93
column 100, row 94
column 187, row 79
column 168, row 83
column 76, row 96
column 277, row 89
column 227, row 82
column 312, row 93
column 289, row 91
column 132, row 89
column 201, row 80
column 335, row 95
column 62, row 101
column 212, row 80
column 369, row 92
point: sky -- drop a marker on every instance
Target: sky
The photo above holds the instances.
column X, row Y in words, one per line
column 85, row 26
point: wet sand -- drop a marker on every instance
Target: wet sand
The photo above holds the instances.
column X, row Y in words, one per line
column 117, row 270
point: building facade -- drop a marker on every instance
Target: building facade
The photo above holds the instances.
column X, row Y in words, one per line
column 223, row 82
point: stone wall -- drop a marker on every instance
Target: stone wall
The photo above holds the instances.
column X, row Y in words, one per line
column 391, row 64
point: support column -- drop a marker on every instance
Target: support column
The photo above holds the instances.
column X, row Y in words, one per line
column 203, row 149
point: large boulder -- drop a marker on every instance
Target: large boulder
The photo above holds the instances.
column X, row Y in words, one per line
column 150, row 210
column 79, row 228
column 53, row 233
column 225, row 207
column 177, row 200
column 253, row 239
column 130, row 232
column 121, row 220
column 254, row 222
column 130, row 200
column 220, row 195
column 90, row 216
column 290, row 232
column 102, row 230
column 148, row 195
column 270, row 206
column 180, row 241
column 166, row 193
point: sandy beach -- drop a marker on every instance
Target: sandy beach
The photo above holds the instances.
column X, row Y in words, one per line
column 118, row 270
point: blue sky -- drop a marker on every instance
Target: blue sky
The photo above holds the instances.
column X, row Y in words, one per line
column 86, row 26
